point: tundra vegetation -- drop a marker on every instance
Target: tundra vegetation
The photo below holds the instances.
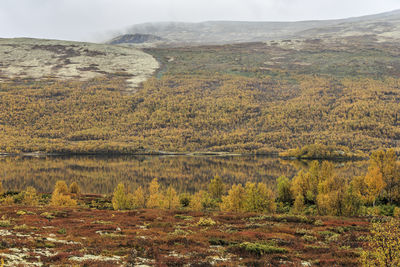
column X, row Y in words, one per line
column 310, row 99
column 317, row 218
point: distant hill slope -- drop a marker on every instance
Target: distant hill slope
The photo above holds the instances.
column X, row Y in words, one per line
column 37, row 58
column 383, row 26
column 136, row 38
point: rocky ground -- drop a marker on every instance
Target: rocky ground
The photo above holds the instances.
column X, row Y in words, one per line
column 37, row 59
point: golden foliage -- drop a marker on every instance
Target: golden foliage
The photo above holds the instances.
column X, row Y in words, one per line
column 61, row 187
column 30, row 197
column 383, row 245
column 155, row 199
column 138, row 198
column 384, row 163
column 61, row 200
column 216, row 188
column 74, row 188
column 234, row 201
column 283, row 190
column 216, row 112
column 259, row 198
column 196, row 202
column 171, row 199
column 120, row 200
column 61, row 197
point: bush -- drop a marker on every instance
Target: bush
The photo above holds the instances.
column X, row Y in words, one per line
column 235, row 200
column 303, row 231
column 386, row 210
column 319, row 223
column 396, row 212
column 60, row 197
column 261, row 249
column 285, row 194
column 61, row 187
column 30, row 197
column 74, row 188
column 202, row 201
column 309, row 238
column 206, row 222
column 123, row 200
column 5, row 223
column 1, row 189
column 383, row 247
column 184, row 200
column 61, row 200
column 8, row 200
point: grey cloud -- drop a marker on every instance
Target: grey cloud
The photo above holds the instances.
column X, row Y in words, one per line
column 88, row 19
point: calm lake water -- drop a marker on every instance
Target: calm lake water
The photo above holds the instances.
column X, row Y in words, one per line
column 96, row 174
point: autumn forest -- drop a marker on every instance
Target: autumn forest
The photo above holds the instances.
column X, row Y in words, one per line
column 283, row 152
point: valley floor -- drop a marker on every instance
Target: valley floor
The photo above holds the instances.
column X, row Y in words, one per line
column 43, row 236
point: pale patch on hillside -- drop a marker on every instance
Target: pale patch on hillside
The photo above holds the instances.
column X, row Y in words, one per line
column 36, row 58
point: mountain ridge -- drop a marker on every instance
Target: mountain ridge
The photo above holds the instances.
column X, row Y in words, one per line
column 225, row 32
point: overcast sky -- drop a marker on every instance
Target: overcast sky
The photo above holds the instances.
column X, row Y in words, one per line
column 87, row 20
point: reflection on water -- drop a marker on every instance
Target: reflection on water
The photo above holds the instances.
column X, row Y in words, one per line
column 101, row 174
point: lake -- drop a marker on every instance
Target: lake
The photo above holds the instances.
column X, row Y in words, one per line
column 100, row 174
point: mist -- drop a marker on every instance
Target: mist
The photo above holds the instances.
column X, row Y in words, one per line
column 95, row 20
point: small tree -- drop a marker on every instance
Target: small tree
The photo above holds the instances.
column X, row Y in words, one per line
column 201, row 200
column 61, row 187
column 298, row 205
column 374, row 184
column 216, row 188
column 196, row 201
column 284, row 192
column 139, row 200
column 120, row 200
column 258, row 198
column 352, row 202
column 385, row 162
column 331, row 196
column 74, row 188
column 60, row 197
column 234, row 201
column 171, row 200
column 30, row 197
column 155, row 198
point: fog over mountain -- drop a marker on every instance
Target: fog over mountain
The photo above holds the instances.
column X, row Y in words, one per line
column 380, row 27
column 94, row 20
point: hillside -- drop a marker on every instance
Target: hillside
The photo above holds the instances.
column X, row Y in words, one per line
column 385, row 26
column 135, row 39
column 248, row 98
column 37, row 59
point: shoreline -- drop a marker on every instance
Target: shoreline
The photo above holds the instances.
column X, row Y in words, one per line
column 188, row 154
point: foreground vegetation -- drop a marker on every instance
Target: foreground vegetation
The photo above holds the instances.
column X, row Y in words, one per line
column 92, row 237
column 62, row 229
column 250, row 224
